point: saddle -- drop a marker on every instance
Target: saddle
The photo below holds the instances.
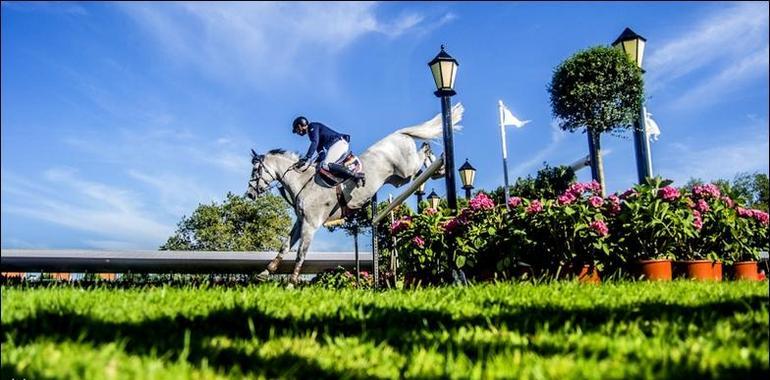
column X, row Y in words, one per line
column 350, row 161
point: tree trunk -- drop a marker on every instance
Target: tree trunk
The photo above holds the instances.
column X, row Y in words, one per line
column 595, row 150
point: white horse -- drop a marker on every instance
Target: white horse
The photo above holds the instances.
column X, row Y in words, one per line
column 394, row 160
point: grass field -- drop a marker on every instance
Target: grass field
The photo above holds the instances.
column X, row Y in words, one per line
column 559, row 330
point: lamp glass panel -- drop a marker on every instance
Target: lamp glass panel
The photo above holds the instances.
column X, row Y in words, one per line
column 453, row 76
column 446, row 74
column 630, row 48
column 435, row 70
column 467, row 177
column 640, row 50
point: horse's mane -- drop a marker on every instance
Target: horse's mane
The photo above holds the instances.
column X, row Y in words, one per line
column 283, row 152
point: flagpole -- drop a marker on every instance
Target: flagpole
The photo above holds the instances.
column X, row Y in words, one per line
column 505, row 151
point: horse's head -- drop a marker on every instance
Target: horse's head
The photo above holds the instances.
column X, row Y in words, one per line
column 258, row 184
column 428, row 158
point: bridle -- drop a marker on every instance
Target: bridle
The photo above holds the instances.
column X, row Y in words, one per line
column 257, row 172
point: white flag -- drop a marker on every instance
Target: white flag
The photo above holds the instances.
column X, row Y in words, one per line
column 652, row 128
column 509, row 119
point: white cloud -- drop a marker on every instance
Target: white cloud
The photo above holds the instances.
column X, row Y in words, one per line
column 108, row 211
column 264, row 42
column 718, row 86
column 722, row 37
column 742, row 151
column 45, row 6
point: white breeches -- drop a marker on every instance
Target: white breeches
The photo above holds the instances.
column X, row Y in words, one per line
column 336, row 151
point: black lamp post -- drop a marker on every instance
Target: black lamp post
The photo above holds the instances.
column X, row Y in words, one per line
column 467, row 175
column 633, row 45
column 419, row 193
column 444, row 70
column 434, row 199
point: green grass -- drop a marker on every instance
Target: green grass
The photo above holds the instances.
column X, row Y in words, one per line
column 558, row 330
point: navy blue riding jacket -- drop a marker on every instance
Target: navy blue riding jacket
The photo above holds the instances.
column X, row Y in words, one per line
column 321, row 138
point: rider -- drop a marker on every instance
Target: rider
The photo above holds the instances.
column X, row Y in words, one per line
column 330, row 145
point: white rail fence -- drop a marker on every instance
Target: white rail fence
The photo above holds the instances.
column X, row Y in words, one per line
column 93, row 261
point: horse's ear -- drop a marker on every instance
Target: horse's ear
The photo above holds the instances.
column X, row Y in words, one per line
column 253, row 153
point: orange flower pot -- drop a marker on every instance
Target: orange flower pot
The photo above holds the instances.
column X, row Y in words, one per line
column 746, row 270
column 702, row 270
column 588, row 274
column 655, row 270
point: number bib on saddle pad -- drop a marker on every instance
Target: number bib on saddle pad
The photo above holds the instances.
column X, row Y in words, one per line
column 351, row 161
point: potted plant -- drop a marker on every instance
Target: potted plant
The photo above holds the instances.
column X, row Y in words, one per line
column 422, row 247
column 752, row 224
column 655, row 221
column 578, row 244
column 477, row 237
column 719, row 233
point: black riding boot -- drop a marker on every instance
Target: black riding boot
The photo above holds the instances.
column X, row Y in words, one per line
column 344, row 172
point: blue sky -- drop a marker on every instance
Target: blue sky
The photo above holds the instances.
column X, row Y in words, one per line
column 120, row 118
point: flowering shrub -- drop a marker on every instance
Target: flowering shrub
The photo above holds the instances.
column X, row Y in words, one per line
column 476, row 234
column 572, row 229
column 650, row 221
column 421, row 243
column 655, row 221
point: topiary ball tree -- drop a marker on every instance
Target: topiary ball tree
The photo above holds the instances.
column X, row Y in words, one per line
column 601, row 90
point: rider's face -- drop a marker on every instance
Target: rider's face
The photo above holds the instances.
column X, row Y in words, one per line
column 302, row 130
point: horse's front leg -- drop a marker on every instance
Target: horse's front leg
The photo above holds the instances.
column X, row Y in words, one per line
column 306, row 236
column 285, row 247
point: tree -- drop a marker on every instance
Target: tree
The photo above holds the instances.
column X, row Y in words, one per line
column 548, row 183
column 749, row 189
column 599, row 89
column 238, row 224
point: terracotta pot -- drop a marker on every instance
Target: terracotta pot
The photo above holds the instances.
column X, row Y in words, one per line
column 655, row 270
column 745, row 270
column 588, row 274
column 704, row 270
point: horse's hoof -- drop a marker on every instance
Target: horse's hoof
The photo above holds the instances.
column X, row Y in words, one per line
column 263, row 276
column 290, row 285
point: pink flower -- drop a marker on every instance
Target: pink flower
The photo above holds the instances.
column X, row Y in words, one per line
column 566, row 198
column 744, row 213
column 614, row 204
column 514, row 202
column 708, row 190
column 418, row 241
column 482, row 202
column 596, row 201
column 628, row 194
column 729, row 201
column 430, row 211
column 594, row 186
column 577, row 189
column 702, row 206
column 761, row 216
column 697, row 223
column 534, row 207
column 452, row 224
column 668, row 193
column 696, row 213
column 599, row 227
column 400, row 225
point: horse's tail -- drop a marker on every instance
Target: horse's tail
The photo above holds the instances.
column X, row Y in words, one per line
column 432, row 128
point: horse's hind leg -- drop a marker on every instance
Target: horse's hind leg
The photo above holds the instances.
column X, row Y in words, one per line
column 285, row 247
column 307, row 234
